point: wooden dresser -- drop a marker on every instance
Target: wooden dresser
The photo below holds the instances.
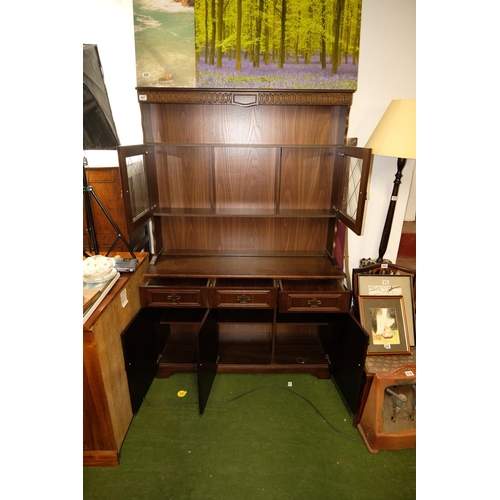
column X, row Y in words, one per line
column 107, row 409
column 247, row 190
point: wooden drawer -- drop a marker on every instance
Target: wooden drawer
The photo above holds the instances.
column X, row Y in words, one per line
column 175, row 292
column 313, row 296
column 244, row 293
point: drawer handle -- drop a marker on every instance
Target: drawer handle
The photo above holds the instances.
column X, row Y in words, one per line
column 314, row 303
column 243, row 299
column 174, row 297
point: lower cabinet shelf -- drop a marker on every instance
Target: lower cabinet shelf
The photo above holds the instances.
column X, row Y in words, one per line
column 248, row 341
column 299, row 349
column 179, row 353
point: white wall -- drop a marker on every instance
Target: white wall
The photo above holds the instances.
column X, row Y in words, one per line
column 110, row 25
column 411, row 206
column 386, row 72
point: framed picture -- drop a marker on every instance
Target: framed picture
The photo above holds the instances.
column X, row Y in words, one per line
column 391, row 284
column 246, row 45
column 383, row 317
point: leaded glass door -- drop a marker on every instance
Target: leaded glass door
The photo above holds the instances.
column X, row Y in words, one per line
column 351, row 190
column 137, row 170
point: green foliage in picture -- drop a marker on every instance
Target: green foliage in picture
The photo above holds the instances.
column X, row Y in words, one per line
column 278, row 44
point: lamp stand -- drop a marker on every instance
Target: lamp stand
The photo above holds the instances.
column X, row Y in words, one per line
column 390, row 212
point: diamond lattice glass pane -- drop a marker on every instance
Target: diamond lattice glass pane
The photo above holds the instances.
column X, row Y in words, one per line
column 352, row 174
column 136, row 173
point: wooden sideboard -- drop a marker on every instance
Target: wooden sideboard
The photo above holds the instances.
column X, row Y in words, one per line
column 107, row 409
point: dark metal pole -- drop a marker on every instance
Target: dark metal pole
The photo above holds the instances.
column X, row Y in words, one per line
column 390, row 213
column 115, row 227
column 88, row 213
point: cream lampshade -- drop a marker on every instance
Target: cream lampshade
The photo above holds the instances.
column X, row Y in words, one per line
column 394, row 136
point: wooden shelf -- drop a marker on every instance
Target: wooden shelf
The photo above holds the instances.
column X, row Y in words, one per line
column 244, row 353
column 299, row 349
column 180, row 349
column 252, row 267
column 231, row 212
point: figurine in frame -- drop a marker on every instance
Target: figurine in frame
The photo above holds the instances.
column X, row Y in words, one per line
column 384, row 319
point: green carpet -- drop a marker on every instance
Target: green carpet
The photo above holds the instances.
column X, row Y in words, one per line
column 267, row 444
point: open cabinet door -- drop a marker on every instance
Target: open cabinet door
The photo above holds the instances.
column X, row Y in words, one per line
column 143, row 342
column 140, row 193
column 346, row 343
column 350, row 191
column 207, row 356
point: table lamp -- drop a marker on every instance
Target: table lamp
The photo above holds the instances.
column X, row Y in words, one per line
column 394, row 136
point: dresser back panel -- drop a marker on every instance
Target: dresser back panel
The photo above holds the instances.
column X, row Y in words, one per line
column 230, row 124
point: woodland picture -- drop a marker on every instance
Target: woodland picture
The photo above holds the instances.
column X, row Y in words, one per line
column 275, row 44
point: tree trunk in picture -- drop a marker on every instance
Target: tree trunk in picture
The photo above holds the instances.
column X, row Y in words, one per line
column 206, row 33
column 220, row 9
column 337, row 19
column 238, row 34
column 214, row 31
column 282, row 41
column 323, row 34
column 260, row 15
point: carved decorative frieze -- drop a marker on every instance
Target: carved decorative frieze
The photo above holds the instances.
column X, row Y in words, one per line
column 244, row 97
column 184, row 97
column 306, row 98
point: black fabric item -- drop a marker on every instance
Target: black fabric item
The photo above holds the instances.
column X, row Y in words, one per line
column 99, row 130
